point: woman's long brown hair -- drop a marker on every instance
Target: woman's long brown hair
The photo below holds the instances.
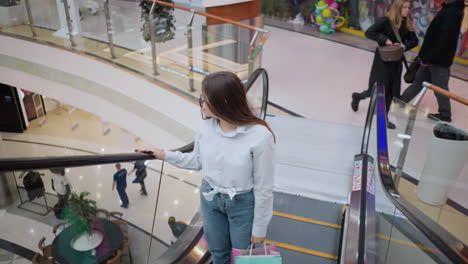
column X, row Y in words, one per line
column 395, row 15
column 226, row 98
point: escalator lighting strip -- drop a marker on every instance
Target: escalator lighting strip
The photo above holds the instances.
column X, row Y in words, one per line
column 307, row 220
column 303, row 250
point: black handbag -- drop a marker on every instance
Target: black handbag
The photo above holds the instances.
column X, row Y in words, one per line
column 411, row 70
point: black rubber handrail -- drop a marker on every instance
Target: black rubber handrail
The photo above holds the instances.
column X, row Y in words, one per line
column 448, row 244
column 22, row 163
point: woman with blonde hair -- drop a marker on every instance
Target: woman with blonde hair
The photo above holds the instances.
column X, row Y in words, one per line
column 383, row 32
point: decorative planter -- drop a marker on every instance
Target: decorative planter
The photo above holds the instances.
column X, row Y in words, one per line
column 86, row 242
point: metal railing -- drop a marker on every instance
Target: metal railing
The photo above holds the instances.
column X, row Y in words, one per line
column 255, row 41
column 412, row 119
column 448, row 244
column 450, row 95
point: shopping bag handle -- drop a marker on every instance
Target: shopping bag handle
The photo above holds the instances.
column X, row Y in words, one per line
column 251, row 247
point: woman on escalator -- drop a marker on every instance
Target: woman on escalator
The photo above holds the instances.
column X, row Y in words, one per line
column 384, row 33
column 234, row 149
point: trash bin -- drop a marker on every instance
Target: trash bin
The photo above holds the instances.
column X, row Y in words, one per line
column 447, row 155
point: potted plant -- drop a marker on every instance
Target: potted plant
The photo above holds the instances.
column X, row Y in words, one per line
column 79, row 213
column 164, row 28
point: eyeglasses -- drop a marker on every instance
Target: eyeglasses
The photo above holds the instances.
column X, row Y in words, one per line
column 201, row 101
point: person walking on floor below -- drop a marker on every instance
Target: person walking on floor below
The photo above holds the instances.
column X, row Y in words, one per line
column 177, row 227
column 437, row 54
column 61, row 184
column 234, row 149
column 389, row 73
column 140, row 174
column 120, row 180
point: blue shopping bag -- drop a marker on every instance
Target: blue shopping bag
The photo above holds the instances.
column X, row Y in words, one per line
column 265, row 255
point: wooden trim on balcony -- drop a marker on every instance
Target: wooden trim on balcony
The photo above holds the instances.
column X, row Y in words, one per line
column 236, row 12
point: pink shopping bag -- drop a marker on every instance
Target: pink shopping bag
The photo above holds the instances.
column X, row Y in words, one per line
column 265, row 250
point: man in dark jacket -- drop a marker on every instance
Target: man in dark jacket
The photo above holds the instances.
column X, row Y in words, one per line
column 120, row 180
column 437, row 54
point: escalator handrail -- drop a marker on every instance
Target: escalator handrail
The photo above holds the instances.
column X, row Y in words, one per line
column 448, row 244
column 23, row 163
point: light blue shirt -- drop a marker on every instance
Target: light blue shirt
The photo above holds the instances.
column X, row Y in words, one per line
column 232, row 163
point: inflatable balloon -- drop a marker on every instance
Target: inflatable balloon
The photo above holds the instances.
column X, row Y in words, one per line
column 340, row 24
column 326, row 29
column 326, row 13
column 321, row 4
column 327, row 16
column 319, row 20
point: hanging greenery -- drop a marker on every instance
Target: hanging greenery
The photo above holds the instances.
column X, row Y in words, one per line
column 164, row 28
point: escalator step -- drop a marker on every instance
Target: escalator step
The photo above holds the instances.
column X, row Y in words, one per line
column 308, row 208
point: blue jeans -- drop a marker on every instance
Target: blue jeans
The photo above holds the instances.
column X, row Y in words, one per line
column 227, row 223
column 123, row 196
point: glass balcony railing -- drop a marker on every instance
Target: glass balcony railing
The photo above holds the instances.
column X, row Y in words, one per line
column 429, row 171
column 420, row 174
column 177, row 49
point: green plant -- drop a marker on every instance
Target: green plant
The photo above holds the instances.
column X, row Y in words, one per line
column 163, row 21
column 79, row 211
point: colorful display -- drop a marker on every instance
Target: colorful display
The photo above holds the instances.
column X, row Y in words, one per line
column 329, row 15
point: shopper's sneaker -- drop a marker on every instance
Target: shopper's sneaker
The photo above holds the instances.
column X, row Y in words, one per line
column 440, row 117
column 355, row 102
column 390, row 125
column 123, row 206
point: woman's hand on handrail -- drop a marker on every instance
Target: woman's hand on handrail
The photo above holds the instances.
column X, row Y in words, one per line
column 155, row 152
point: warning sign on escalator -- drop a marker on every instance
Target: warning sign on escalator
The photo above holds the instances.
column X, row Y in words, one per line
column 371, row 179
column 357, row 176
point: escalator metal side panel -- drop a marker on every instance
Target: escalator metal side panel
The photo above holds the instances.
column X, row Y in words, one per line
column 371, row 215
column 344, row 238
column 351, row 244
column 191, row 243
column 359, row 238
